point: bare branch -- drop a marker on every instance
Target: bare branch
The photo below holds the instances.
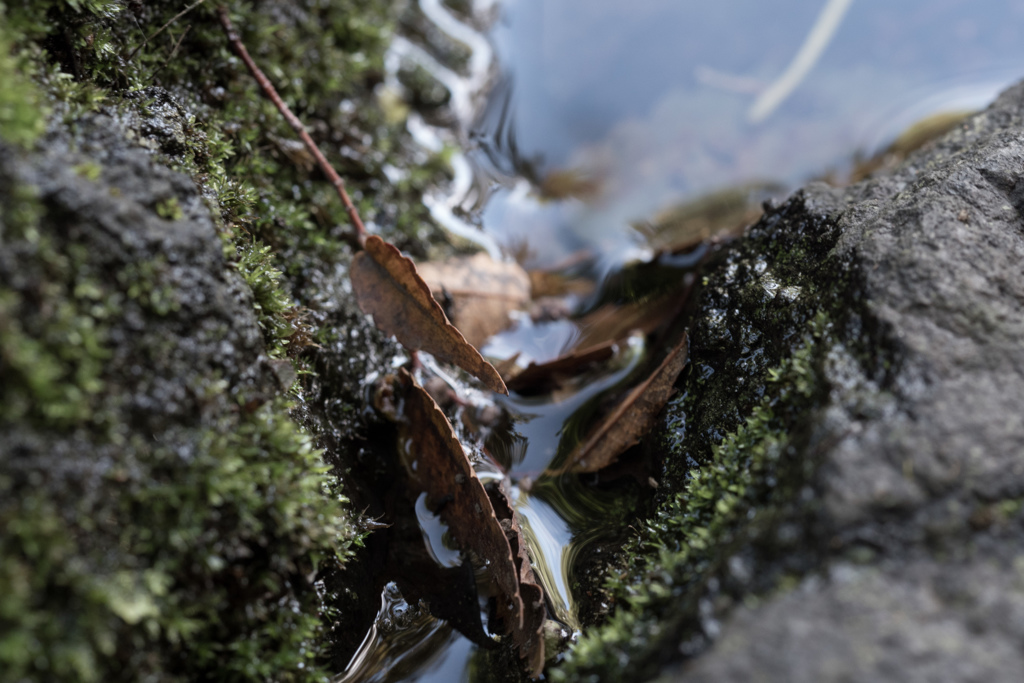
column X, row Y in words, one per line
column 293, row 121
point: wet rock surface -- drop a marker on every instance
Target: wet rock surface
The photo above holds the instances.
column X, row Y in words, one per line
column 896, row 552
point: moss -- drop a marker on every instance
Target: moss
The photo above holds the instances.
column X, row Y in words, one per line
column 54, row 372
column 51, row 363
column 162, row 511
column 21, row 108
column 425, row 91
column 72, row 614
column 184, row 554
column 720, row 508
column 738, row 451
column 169, row 209
column 256, row 266
column 88, row 170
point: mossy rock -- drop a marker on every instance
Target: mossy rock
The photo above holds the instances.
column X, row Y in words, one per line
column 179, row 389
column 842, row 469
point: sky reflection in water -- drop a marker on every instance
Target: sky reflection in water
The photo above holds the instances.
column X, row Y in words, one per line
column 652, row 97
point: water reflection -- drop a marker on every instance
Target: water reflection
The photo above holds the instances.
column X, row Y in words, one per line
column 605, row 115
column 406, row 643
column 540, row 422
column 654, row 97
column 434, row 532
column 559, row 516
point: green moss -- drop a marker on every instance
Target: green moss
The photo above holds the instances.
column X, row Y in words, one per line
column 89, row 170
column 205, row 572
column 52, row 363
column 22, row 114
column 737, row 448
column 175, row 536
column 170, row 209
column 181, row 554
column 270, row 300
column 721, row 507
column 53, row 373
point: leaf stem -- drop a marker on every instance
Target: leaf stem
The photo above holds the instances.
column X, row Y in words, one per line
column 293, row 121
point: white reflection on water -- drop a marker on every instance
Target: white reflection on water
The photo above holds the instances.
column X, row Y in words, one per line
column 644, row 95
column 652, row 97
column 549, row 537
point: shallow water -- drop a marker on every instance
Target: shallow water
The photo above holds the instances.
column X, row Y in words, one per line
column 635, row 108
column 653, row 98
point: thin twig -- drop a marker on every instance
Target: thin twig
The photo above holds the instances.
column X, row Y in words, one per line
column 163, row 28
column 293, row 121
column 814, row 44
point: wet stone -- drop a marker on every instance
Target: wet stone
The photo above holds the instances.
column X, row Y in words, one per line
column 843, row 479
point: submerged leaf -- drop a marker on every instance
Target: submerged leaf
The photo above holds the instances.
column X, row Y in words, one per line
column 614, row 322
column 631, row 420
column 482, row 292
column 538, row 378
column 388, row 287
column 436, row 463
column 722, row 212
column 601, row 331
column 568, row 183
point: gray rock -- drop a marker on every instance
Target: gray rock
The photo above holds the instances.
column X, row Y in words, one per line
column 926, row 484
column 902, row 621
column 150, row 474
column 843, row 482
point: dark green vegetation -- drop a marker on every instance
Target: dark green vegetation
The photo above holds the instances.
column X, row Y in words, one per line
column 168, row 260
column 734, row 449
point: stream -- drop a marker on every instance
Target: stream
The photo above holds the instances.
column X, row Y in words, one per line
column 574, row 124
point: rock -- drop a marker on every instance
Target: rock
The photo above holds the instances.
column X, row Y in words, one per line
column 846, row 467
column 180, row 355
column 140, row 418
column 913, row 621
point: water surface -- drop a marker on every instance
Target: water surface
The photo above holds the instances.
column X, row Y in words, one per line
column 653, row 98
column 640, row 106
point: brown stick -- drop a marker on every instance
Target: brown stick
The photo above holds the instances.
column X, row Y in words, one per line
column 293, row 121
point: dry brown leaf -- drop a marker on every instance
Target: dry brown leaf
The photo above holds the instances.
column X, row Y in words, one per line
column 436, row 463
column 388, row 287
column 482, row 291
column 530, row 638
column 631, row 420
column 546, row 377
